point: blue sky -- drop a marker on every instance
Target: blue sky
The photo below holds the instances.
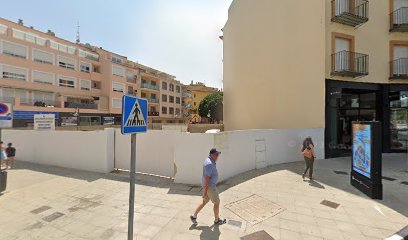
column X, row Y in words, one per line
column 179, row 37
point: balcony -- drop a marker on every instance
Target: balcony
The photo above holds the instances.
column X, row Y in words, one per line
column 349, row 64
column 187, row 105
column 399, row 20
column 80, row 105
column 153, row 114
column 187, row 95
column 153, row 100
column 151, row 87
column 399, row 69
column 350, row 12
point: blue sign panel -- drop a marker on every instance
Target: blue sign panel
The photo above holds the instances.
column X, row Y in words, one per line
column 134, row 115
column 29, row 115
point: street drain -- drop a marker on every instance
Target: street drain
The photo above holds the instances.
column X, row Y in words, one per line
column 388, row 178
column 261, row 235
column 340, row 172
column 330, row 204
column 234, row 223
column 52, row 217
column 40, row 209
column 254, row 209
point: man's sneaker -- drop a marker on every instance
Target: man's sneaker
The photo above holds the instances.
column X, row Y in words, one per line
column 193, row 219
column 220, row 221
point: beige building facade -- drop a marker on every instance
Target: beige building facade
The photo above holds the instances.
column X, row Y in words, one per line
column 79, row 83
column 318, row 64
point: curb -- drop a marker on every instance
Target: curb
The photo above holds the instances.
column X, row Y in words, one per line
column 401, row 235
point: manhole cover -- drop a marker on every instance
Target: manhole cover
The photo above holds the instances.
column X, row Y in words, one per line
column 261, row 235
column 40, row 209
column 388, row 178
column 254, row 209
column 330, row 204
column 340, row 172
column 52, row 217
column 234, row 223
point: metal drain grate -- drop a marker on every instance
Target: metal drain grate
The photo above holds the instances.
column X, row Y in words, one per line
column 340, row 172
column 389, row 178
column 254, row 209
column 40, row 209
column 261, row 235
column 52, row 217
column 330, row 204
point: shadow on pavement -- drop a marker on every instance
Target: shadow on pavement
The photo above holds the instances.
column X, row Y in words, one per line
column 207, row 232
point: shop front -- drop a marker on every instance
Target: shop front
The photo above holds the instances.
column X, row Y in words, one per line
column 351, row 101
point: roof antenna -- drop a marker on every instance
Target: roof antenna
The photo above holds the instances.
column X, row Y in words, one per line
column 78, row 39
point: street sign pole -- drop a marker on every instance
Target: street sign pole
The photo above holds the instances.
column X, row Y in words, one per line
column 134, row 120
column 132, row 185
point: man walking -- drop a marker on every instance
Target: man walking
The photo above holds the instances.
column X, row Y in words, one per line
column 209, row 183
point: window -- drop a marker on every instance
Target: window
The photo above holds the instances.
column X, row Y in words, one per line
column 117, row 60
column 153, row 96
column 118, row 87
column 14, row 50
column 164, row 85
column 14, row 73
column 67, row 63
column 3, row 29
column 29, row 37
column 43, row 77
column 178, row 89
column 85, row 85
column 164, row 110
column 143, row 95
column 118, row 71
column 171, row 99
column 85, row 67
column 96, row 85
column 43, row 97
column 10, row 93
column 130, row 90
column 171, row 110
column 62, row 47
column 177, row 100
column 177, row 111
column 88, row 55
column 171, row 87
column 66, row 82
column 43, row 57
column 116, row 103
column 164, row 98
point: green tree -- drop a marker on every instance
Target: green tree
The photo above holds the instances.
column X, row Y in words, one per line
column 212, row 107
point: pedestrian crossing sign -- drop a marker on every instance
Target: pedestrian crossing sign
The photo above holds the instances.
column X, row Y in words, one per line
column 134, row 115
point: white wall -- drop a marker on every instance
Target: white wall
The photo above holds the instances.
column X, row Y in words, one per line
column 90, row 151
column 154, row 152
column 238, row 150
column 165, row 153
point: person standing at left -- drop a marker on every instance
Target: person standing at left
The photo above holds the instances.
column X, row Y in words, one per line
column 11, row 153
column 3, row 156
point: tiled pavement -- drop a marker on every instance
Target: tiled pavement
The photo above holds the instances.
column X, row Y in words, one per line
column 54, row 203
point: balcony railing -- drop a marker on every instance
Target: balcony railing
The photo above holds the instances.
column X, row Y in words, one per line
column 187, row 105
column 187, row 95
column 80, row 105
column 350, row 12
column 153, row 114
column 399, row 20
column 399, row 68
column 153, row 100
column 349, row 64
column 149, row 86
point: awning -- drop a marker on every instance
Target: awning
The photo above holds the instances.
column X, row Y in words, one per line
column 79, row 97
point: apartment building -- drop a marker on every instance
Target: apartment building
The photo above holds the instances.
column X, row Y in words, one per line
column 78, row 83
column 318, row 64
column 193, row 94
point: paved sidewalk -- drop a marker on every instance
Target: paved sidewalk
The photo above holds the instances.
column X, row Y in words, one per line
column 47, row 203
